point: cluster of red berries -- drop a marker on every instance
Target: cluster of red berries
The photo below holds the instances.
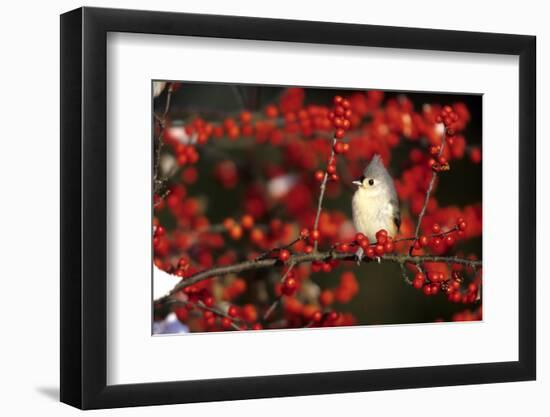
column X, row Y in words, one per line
column 309, row 237
column 289, row 284
column 439, row 162
column 348, row 288
column 310, row 315
column 234, row 289
column 340, row 116
column 324, row 266
column 236, row 229
column 384, row 244
column 439, row 240
column 340, row 119
column 433, row 282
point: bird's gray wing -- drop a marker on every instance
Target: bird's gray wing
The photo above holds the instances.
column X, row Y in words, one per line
column 396, row 213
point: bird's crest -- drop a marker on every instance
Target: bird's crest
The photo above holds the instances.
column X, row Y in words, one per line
column 375, row 168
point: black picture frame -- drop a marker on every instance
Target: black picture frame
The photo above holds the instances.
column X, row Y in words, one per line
column 84, row 207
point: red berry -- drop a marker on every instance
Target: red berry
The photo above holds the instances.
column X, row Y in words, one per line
column 436, row 243
column 326, row 298
column 232, row 311
column 359, row 237
column 449, row 240
column 436, row 228
column 475, row 155
column 284, row 255
column 247, row 221
column 455, row 297
column 379, row 249
column 226, row 322
column 183, row 263
column 339, row 134
column 271, row 111
column 319, row 175
column 369, row 252
column 289, row 286
column 337, row 100
column 315, row 235
column 304, row 233
column 181, row 313
column 257, row 326
column 246, row 116
column 381, row 236
column 433, row 276
column 389, row 247
column 208, row 301
column 236, row 232
column 331, row 169
column 338, row 147
column 317, row 316
column 462, row 225
column 423, row 240
column 418, row 283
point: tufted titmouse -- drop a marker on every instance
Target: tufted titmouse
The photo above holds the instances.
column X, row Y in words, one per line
column 374, row 204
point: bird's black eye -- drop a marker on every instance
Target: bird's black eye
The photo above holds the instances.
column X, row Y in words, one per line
column 371, row 182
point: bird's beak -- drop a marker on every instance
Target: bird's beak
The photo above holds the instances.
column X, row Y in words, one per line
column 358, row 183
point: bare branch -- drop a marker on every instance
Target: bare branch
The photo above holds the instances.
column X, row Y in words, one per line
column 322, row 193
column 429, row 191
column 203, row 306
column 315, row 256
column 158, row 180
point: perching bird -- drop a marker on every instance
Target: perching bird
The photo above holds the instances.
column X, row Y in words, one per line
column 374, row 204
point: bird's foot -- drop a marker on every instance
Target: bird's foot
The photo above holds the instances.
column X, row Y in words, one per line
column 359, row 255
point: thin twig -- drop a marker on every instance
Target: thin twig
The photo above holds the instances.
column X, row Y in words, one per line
column 277, row 249
column 404, row 273
column 219, row 313
column 442, row 234
column 428, row 192
column 158, row 181
column 203, row 306
column 271, row 309
column 322, row 194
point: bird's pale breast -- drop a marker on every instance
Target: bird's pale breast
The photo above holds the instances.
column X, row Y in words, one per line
column 370, row 214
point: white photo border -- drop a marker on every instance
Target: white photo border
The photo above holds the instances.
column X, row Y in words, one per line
column 134, row 356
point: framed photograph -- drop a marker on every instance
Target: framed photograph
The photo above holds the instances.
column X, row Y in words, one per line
column 258, row 208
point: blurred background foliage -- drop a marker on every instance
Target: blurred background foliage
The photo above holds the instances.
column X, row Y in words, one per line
column 383, row 297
